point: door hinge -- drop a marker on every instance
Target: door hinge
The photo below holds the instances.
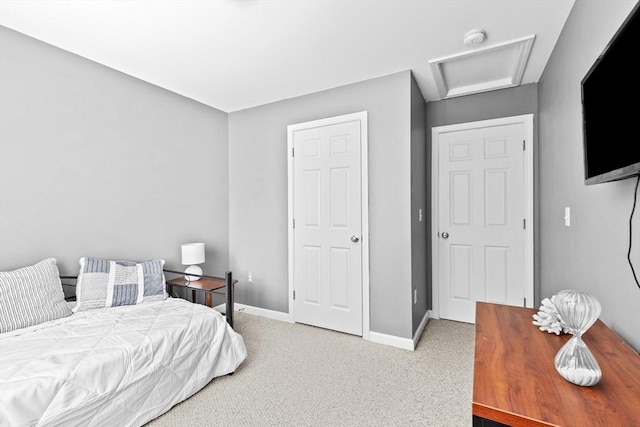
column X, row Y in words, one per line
column 293, row 152
column 525, row 302
column 524, row 144
column 524, row 223
column 294, row 294
column 294, row 223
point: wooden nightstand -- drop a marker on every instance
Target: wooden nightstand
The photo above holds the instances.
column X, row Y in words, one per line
column 209, row 285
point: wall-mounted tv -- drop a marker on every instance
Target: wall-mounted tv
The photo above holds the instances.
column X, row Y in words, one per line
column 611, row 107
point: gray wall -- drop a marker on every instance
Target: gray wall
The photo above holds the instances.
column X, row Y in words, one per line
column 420, row 271
column 483, row 106
column 96, row 163
column 258, row 195
column 591, row 254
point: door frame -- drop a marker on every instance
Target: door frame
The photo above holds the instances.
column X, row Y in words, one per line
column 528, row 121
column 364, row 188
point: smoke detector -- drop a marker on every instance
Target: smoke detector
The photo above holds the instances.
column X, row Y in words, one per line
column 474, row 37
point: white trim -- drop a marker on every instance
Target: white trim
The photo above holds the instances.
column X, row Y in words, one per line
column 258, row 311
column 364, row 175
column 521, row 57
column 529, row 261
column 364, row 170
column 392, row 340
column 527, row 122
column 418, row 334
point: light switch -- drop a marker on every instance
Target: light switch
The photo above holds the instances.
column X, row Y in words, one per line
column 567, row 217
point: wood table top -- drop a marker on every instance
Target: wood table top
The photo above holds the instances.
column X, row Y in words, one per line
column 204, row 284
column 515, row 381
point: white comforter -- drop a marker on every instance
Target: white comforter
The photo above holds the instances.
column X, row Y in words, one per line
column 120, row 366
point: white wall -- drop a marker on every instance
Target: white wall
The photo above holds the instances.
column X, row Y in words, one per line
column 96, row 163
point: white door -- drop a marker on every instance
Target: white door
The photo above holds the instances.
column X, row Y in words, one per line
column 483, row 198
column 327, row 233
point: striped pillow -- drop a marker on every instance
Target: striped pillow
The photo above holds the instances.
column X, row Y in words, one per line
column 108, row 283
column 31, row 295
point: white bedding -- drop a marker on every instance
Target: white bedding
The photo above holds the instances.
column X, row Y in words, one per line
column 119, row 366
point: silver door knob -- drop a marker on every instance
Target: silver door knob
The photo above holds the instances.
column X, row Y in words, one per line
column 355, row 239
column 445, row 235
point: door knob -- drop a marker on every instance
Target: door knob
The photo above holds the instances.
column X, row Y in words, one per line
column 445, row 235
column 355, row 239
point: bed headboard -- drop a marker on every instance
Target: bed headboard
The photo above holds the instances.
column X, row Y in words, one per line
column 69, row 282
column 69, row 287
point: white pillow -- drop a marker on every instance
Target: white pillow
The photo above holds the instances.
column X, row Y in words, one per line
column 31, row 295
column 109, row 283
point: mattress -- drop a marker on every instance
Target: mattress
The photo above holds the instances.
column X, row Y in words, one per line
column 118, row 366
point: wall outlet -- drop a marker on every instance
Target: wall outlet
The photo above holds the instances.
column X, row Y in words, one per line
column 250, row 277
column 415, row 296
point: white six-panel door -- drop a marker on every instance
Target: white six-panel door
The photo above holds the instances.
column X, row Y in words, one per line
column 327, row 235
column 483, row 199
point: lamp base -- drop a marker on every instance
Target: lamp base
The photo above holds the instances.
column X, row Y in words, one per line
column 193, row 269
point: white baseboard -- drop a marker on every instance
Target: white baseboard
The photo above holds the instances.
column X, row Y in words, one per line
column 418, row 334
column 392, row 340
column 404, row 343
column 258, row 311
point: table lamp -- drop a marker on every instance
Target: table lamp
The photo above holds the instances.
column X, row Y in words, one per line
column 193, row 254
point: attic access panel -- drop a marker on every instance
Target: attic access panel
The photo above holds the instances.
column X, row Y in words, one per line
column 491, row 68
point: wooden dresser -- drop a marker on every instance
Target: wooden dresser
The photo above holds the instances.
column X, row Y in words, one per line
column 515, row 381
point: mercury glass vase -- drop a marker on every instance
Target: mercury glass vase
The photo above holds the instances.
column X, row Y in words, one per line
column 575, row 362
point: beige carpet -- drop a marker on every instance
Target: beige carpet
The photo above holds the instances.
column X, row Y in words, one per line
column 298, row 375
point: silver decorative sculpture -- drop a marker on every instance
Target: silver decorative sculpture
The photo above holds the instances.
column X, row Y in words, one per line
column 575, row 362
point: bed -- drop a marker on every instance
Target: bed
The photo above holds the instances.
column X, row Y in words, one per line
column 122, row 365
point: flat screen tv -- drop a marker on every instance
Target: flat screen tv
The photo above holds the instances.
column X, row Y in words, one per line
column 611, row 107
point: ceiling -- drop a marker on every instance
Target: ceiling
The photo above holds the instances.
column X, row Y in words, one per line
column 237, row 54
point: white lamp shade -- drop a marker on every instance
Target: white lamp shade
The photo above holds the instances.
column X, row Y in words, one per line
column 192, row 253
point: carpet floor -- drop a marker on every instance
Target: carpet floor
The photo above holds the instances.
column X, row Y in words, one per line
column 299, row 375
